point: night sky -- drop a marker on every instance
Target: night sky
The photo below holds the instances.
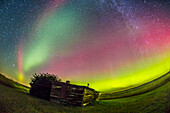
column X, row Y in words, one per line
column 109, row 44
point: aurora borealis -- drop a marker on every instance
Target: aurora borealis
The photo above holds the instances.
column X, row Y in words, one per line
column 109, row 44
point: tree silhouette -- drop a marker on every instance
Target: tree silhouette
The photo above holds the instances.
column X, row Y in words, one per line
column 41, row 85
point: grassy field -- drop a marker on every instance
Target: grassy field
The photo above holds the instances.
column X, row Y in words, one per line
column 149, row 86
column 15, row 100
column 10, row 83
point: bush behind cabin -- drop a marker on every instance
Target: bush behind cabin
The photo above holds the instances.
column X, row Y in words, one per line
column 41, row 85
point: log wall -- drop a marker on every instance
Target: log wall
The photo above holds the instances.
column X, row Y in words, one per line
column 72, row 94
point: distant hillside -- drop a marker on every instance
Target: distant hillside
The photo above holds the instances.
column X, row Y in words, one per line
column 143, row 88
column 155, row 101
column 10, row 83
column 149, row 86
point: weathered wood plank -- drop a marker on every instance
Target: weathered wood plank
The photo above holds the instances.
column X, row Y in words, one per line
column 72, row 94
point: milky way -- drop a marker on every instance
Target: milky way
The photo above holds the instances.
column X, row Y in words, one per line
column 109, row 44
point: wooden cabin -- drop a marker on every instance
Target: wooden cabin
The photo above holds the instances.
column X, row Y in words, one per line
column 70, row 94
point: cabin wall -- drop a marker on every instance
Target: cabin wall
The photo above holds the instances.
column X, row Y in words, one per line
column 72, row 94
column 67, row 94
column 89, row 96
column 55, row 91
column 75, row 95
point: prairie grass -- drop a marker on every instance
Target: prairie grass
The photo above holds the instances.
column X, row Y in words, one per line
column 14, row 100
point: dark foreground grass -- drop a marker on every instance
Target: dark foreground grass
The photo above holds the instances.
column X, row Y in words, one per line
column 15, row 101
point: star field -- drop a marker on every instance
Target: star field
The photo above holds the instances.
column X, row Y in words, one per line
column 116, row 43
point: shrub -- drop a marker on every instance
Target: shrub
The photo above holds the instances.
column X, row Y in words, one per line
column 41, row 85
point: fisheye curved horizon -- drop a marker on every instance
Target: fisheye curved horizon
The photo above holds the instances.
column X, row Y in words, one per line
column 109, row 45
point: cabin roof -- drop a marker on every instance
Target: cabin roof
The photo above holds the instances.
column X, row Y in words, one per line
column 63, row 83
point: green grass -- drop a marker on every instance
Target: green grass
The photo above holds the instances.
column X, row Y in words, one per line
column 13, row 100
column 10, row 83
column 138, row 89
